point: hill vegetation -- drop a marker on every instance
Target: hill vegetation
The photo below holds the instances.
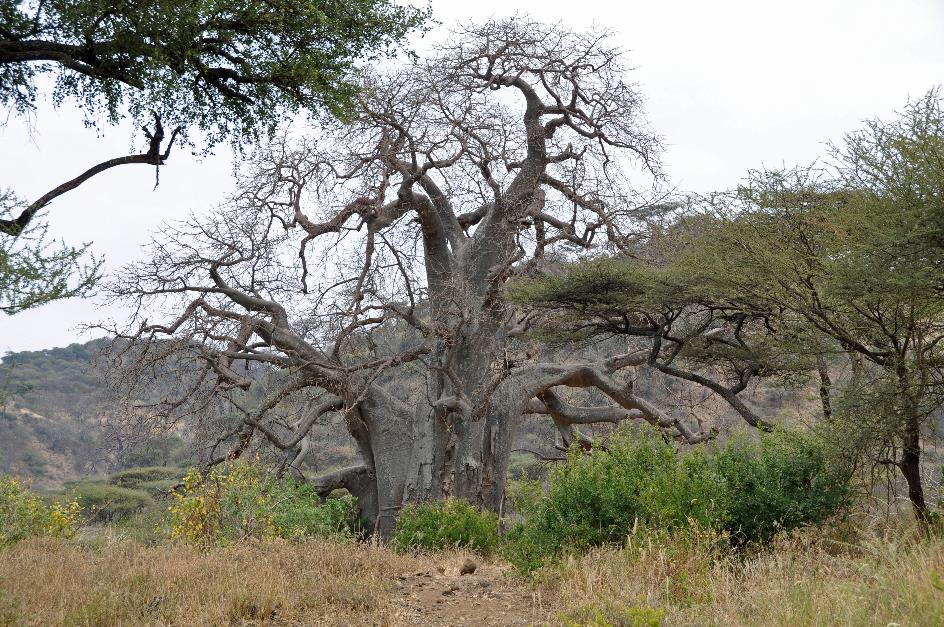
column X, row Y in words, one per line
column 58, row 417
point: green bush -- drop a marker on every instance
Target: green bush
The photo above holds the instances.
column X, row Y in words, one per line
column 448, row 524
column 746, row 491
column 104, row 502
column 613, row 614
column 786, row 481
column 160, row 488
column 239, row 501
column 134, row 477
column 598, row 499
column 299, row 513
column 525, row 496
column 23, row 514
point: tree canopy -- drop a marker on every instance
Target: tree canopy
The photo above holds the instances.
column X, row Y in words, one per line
column 230, row 69
column 795, row 270
column 224, row 69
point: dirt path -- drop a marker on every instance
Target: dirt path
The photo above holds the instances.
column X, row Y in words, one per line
column 444, row 596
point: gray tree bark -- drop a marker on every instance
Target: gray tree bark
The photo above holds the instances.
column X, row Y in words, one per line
column 459, row 173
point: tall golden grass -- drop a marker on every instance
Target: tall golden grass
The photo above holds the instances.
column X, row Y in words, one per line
column 807, row 578
column 812, row 577
column 50, row 582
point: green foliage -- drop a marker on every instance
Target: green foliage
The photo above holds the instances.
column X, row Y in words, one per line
column 23, row 514
column 447, row 524
column 156, row 481
column 669, row 298
column 230, row 68
column 600, row 498
column 613, row 614
column 747, row 492
column 853, row 253
column 35, row 271
column 786, row 481
column 134, row 477
column 108, row 503
column 602, row 291
column 525, row 496
column 299, row 513
column 238, row 501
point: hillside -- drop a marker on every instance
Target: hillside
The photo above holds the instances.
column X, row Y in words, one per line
column 55, row 403
column 54, row 411
column 49, row 419
column 54, row 406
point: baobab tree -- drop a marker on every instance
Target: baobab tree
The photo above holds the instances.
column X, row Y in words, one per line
column 364, row 267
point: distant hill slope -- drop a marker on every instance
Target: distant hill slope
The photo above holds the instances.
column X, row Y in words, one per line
column 53, row 408
column 53, row 405
column 49, row 415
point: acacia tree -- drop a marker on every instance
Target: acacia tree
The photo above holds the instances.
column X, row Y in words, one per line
column 859, row 264
column 856, row 254
column 845, row 264
column 690, row 330
column 794, row 272
column 367, row 266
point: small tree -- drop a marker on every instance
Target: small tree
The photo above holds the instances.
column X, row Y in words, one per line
column 790, row 272
column 856, row 259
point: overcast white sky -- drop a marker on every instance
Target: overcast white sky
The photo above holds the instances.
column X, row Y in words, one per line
column 731, row 85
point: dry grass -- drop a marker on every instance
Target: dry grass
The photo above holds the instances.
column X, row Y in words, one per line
column 807, row 579
column 686, row 579
column 45, row 582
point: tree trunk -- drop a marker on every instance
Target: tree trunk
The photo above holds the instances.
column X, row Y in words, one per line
column 910, row 465
column 435, row 452
column 910, row 462
column 382, row 429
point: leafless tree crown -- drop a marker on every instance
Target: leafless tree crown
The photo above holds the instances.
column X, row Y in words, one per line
column 367, row 261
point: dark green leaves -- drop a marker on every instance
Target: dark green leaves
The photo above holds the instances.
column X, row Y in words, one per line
column 228, row 68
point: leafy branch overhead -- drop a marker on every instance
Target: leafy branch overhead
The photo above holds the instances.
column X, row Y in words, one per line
column 227, row 67
column 35, row 271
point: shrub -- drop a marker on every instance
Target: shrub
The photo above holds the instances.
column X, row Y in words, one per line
column 448, row 524
column 786, row 481
column 23, row 514
column 108, row 503
column 237, row 502
column 525, row 496
column 160, row 488
column 134, row 477
column 298, row 513
column 746, row 491
column 598, row 499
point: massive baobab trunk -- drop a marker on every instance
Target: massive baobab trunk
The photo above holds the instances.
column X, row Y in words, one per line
column 367, row 265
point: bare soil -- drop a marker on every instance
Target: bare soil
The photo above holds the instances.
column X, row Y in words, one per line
column 488, row 597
